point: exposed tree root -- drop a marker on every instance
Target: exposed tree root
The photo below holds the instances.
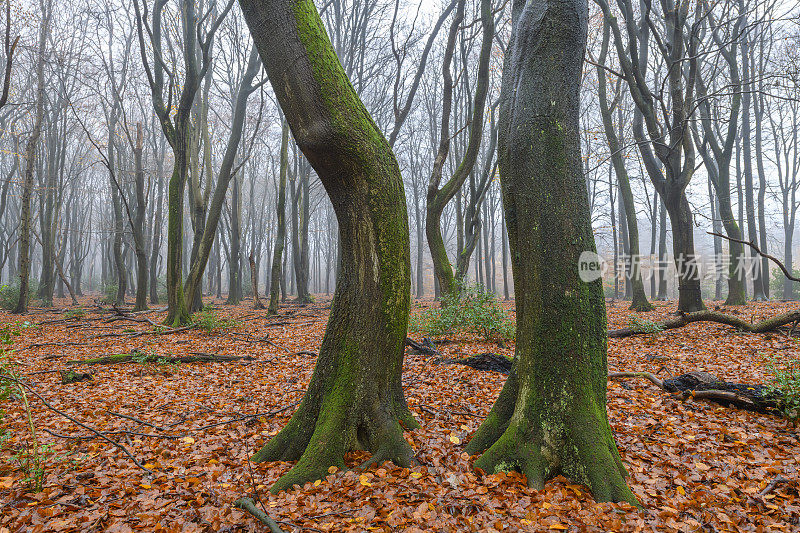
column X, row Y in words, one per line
column 545, row 443
column 769, row 324
column 319, row 438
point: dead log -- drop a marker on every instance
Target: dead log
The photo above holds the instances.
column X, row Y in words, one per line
column 70, row 376
column 769, row 324
column 706, row 386
column 487, row 361
column 697, row 385
column 139, row 357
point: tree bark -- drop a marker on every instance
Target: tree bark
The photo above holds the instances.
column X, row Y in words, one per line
column 355, row 398
column 550, row 417
column 138, row 225
column 759, row 293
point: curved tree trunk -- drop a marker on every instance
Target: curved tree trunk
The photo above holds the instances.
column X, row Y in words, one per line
column 355, row 398
column 438, row 198
column 551, row 416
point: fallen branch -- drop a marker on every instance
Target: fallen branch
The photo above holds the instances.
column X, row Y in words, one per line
column 41, row 344
column 486, row 361
column 769, row 324
column 425, row 348
column 246, row 504
column 772, row 484
column 646, row 375
column 757, row 250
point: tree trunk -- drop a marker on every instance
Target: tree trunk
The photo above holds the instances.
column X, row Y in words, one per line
column 662, row 252
column 634, row 287
column 280, row 239
column 550, row 417
column 355, row 398
column 438, row 198
column 154, row 253
column 30, row 160
column 208, row 219
column 138, row 225
column 254, row 282
column 234, row 263
column 759, row 293
column 504, row 240
column 116, row 202
column 680, row 215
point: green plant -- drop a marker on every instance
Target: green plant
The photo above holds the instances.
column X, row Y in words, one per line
column 642, row 325
column 109, row 291
column 210, row 322
column 777, row 281
column 9, row 294
column 470, row 309
column 77, row 314
column 138, row 356
column 161, row 289
column 31, row 460
column 785, row 383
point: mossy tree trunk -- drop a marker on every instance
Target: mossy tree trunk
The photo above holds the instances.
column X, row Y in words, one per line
column 550, row 417
column 355, row 399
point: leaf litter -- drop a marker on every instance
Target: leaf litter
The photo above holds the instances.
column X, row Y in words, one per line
column 695, row 466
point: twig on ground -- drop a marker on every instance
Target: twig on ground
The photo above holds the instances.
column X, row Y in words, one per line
column 78, row 422
column 246, row 504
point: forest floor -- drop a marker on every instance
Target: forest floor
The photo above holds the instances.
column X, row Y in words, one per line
column 694, row 465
